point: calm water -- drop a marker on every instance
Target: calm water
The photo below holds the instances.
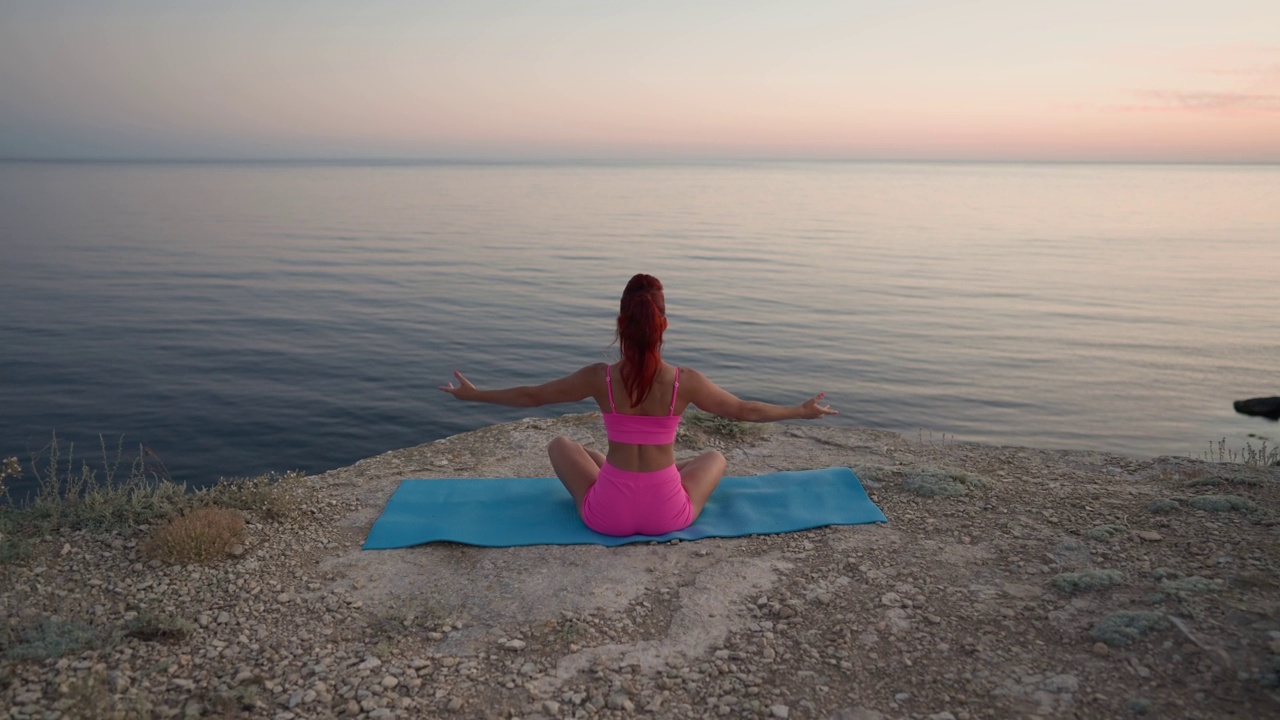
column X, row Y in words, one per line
column 240, row 318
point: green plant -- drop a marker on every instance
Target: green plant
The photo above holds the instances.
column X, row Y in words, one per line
column 76, row 496
column 10, row 468
column 1190, row 585
column 1121, row 628
column 270, row 497
column 239, row 701
column 943, row 482
column 49, row 638
column 1248, row 455
column 1222, row 503
column 159, row 627
column 119, row 493
column 205, row 534
column 89, row 697
column 1075, row 583
column 14, row 549
column 716, row 426
column 1103, row 533
column 1161, row 506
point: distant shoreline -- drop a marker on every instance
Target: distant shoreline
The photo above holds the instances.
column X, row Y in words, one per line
column 606, row 162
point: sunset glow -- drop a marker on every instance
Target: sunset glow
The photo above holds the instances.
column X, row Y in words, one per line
column 1190, row 80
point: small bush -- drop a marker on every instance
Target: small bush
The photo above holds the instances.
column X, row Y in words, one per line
column 1164, row 573
column 1075, row 583
column 715, row 426
column 204, row 535
column 48, row 639
column 10, row 468
column 158, row 627
column 1223, row 503
column 14, row 549
column 90, row 696
column 75, row 496
column 875, row 475
column 943, row 482
column 1161, row 505
column 1102, row 533
column 1190, row 585
column 1121, row 628
column 269, row 497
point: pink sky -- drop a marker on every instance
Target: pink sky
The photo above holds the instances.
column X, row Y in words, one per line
column 1048, row 80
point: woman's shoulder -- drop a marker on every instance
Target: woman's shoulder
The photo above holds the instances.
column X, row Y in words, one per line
column 688, row 374
column 684, row 369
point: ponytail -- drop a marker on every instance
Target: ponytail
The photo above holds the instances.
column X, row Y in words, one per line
column 641, row 320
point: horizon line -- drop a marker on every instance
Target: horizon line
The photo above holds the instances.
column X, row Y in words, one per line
column 570, row 160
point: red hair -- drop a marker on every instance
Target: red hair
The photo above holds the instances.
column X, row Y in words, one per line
column 641, row 320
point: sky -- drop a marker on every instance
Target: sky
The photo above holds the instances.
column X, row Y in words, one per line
column 1077, row 80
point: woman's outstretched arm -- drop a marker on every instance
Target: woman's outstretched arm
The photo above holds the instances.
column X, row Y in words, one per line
column 707, row 396
column 570, row 388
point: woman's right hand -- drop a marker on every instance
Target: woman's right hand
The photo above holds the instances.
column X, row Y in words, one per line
column 811, row 409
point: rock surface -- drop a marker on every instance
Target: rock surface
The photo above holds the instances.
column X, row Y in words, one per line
column 950, row 611
column 1267, row 407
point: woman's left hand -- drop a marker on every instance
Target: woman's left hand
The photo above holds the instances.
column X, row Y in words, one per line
column 811, row 410
column 464, row 390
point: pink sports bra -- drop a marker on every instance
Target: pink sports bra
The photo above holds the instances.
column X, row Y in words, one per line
column 641, row 429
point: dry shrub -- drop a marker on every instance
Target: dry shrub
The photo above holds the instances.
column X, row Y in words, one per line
column 206, row 534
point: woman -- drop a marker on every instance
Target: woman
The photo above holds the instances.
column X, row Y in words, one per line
column 638, row 488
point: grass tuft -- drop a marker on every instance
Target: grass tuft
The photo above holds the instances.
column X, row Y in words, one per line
column 269, row 497
column 204, row 535
column 1086, row 581
column 1223, row 503
column 47, row 639
column 715, row 426
column 1102, row 533
column 1248, row 455
column 943, row 482
column 92, row 697
column 159, row 627
column 120, row 494
column 1190, row 585
column 71, row 494
column 1121, row 628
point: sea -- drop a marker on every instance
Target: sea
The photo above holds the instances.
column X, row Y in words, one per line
column 223, row 319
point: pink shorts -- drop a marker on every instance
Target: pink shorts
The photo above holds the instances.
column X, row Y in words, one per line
column 637, row 503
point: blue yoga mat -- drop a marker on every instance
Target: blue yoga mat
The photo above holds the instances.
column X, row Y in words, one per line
column 503, row 512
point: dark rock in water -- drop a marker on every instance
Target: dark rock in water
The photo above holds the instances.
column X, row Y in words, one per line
column 1268, row 407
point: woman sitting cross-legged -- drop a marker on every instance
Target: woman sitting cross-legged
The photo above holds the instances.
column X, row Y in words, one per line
column 638, row 488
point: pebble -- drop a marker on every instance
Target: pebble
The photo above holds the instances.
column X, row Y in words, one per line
column 1150, row 535
column 780, row 711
